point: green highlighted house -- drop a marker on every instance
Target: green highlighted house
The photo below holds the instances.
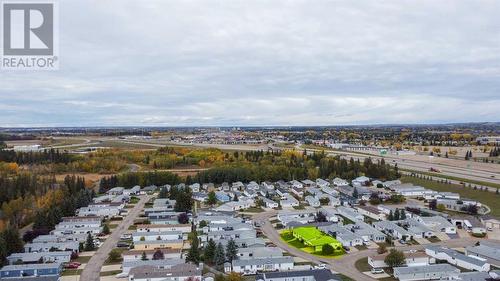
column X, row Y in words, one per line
column 312, row 237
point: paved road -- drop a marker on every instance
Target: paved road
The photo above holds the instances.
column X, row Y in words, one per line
column 344, row 265
column 93, row 267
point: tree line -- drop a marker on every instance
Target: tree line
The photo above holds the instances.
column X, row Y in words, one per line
column 130, row 179
column 290, row 166
column 48, row 156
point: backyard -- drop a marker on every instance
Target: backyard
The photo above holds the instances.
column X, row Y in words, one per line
column 312, row 241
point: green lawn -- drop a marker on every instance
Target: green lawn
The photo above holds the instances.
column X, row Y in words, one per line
column 433, row 239
column 491, row 199
column 288, row 237
column 344, row 278
column 84, row 259
column 254, row 210
column 71, row 272
column 110, row 273
column 112, row 226
column 362, row 265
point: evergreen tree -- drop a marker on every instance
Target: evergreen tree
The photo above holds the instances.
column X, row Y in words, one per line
column 209, row 253
column 211, row 199
column 402, row 215
column 13, row 241
column 355, row 193
column 396, row 215
column 144, row 257
column 219, row 257
column 105, row 229
column 231, row 250
column 89, row 243
column 390, row 216
column 193, row 254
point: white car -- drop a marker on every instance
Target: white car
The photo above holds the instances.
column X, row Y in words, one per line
column 377, row 271
column 121, row 275
column 320, row 266
column 126, row 236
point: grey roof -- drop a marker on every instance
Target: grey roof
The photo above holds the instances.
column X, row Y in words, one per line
column 30, row 266
column 456, row 255
column 261, row 261
column 473, row 276
column 425, row 269
column 148, row 271
column 391, row 226
column 262, row 252
column 485, row 250
column 35, row 256
column 156, row 263
column 35, row 278
column 318, row 274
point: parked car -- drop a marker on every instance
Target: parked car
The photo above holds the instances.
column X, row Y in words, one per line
column 71, row 266
column 126, row 236
column 320, row 266
column 377, row 271
column 122, row 245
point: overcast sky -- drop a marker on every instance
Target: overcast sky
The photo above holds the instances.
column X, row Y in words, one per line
column 244, row 62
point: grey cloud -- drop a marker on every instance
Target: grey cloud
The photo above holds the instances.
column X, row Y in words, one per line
column 264, row 63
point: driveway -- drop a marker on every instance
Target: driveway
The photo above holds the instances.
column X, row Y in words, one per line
column 92, row 271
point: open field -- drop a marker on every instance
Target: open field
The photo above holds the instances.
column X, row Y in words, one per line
column 492, row 200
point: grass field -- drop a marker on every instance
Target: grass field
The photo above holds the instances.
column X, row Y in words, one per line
column 71, row 272
column 287, row 236
column 110, row 273
column 492, row 200
column 84, row 259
